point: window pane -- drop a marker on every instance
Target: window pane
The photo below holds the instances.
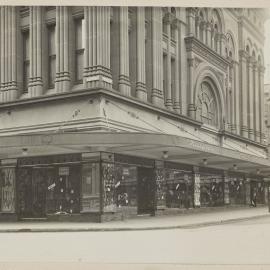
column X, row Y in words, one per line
column 78, row 26
column 51, row 71
column 79, row 66
column 26, row 45
column 51, row 39
column 26, row 74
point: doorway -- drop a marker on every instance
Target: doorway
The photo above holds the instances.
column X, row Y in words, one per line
column 146, row 191
column 32, row 190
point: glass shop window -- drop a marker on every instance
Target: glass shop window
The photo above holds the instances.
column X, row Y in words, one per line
column 7, row 190
column 212, row 190
column 90, row 196
column 64, row 190
column 126, row 186
column 237, row 191
column 179, row 192
column 120, row 186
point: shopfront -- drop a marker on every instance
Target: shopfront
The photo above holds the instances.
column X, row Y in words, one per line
column 48, row 185
column 211, row 187
column 104, row 186
column 238, row 189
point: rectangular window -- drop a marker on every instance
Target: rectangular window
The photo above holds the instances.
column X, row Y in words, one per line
column 26, row 60
column 51, row 55
column 79, row 49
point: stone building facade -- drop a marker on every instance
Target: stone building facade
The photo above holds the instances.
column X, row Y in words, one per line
column 108, row 112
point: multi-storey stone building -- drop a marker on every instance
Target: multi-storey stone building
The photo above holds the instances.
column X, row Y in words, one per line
column 112, row 111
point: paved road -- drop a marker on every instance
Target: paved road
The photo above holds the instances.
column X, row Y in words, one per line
column 236, row 243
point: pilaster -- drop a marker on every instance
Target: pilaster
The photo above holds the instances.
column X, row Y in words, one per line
column 251, row 99
column 257, row 103
column 176, row 94
column 261, row 98
column 8, row 54
column 62, row 78
column 141, row 80
column 236, row 97
column 97, row 71
column 157, row 87
column 243, row 94
column 124, row 82
column 191, row 105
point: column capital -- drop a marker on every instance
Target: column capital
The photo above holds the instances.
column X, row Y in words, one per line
column 243, row 54
column 191, row 11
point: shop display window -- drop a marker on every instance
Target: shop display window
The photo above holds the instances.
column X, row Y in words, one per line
column 179, row 192
column 120, row 186
column 7, row 190
column 212, row 190
column 257, row 192
column 237, row 190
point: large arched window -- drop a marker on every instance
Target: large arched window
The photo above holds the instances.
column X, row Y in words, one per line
column 206, row 105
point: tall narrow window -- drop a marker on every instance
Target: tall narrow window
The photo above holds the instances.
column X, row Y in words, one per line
column 79, row 49
column 26, row 60
column 51, row 55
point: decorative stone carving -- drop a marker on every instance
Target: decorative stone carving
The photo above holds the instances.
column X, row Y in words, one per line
column 195, row 46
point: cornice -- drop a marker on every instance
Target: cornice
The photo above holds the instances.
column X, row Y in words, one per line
column 96, row 92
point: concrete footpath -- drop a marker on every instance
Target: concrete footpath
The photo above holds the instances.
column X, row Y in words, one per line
column 183, row 221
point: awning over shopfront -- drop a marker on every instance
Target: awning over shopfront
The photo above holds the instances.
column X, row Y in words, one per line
column 148, row 145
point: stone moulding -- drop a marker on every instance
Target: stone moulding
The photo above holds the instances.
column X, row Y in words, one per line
column 202, row 50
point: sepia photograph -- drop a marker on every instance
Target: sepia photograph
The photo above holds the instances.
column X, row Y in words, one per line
column 134, row 135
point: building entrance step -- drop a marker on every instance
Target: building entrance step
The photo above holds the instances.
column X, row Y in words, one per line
column 41, row 219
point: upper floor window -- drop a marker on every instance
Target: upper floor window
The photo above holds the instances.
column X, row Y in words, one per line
column 79, row 49
column 51, row 56
column 206, row 105
column 26, row 60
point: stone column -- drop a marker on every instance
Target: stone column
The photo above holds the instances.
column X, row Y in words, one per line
column 198, row 22
column 204, row 28
column 236, row 97
column 8, row 54
column 141, row 80
column 157, row 55
column 244, row 94
column 176, row 94
column 124, row 82
column 62, row 78
column 222, row 44
column 232, row 95
column 97, row 71
column 191, row 105
column 182, row 75
column 35, row 77
column 251, row 100
column 261, row 100
column 218, row 43
column 257, row 108
column 209, row 33
column 191, row 21
column 168, row 94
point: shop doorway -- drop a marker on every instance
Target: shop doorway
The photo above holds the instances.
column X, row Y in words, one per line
column 32, row 190
column 146, row 191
